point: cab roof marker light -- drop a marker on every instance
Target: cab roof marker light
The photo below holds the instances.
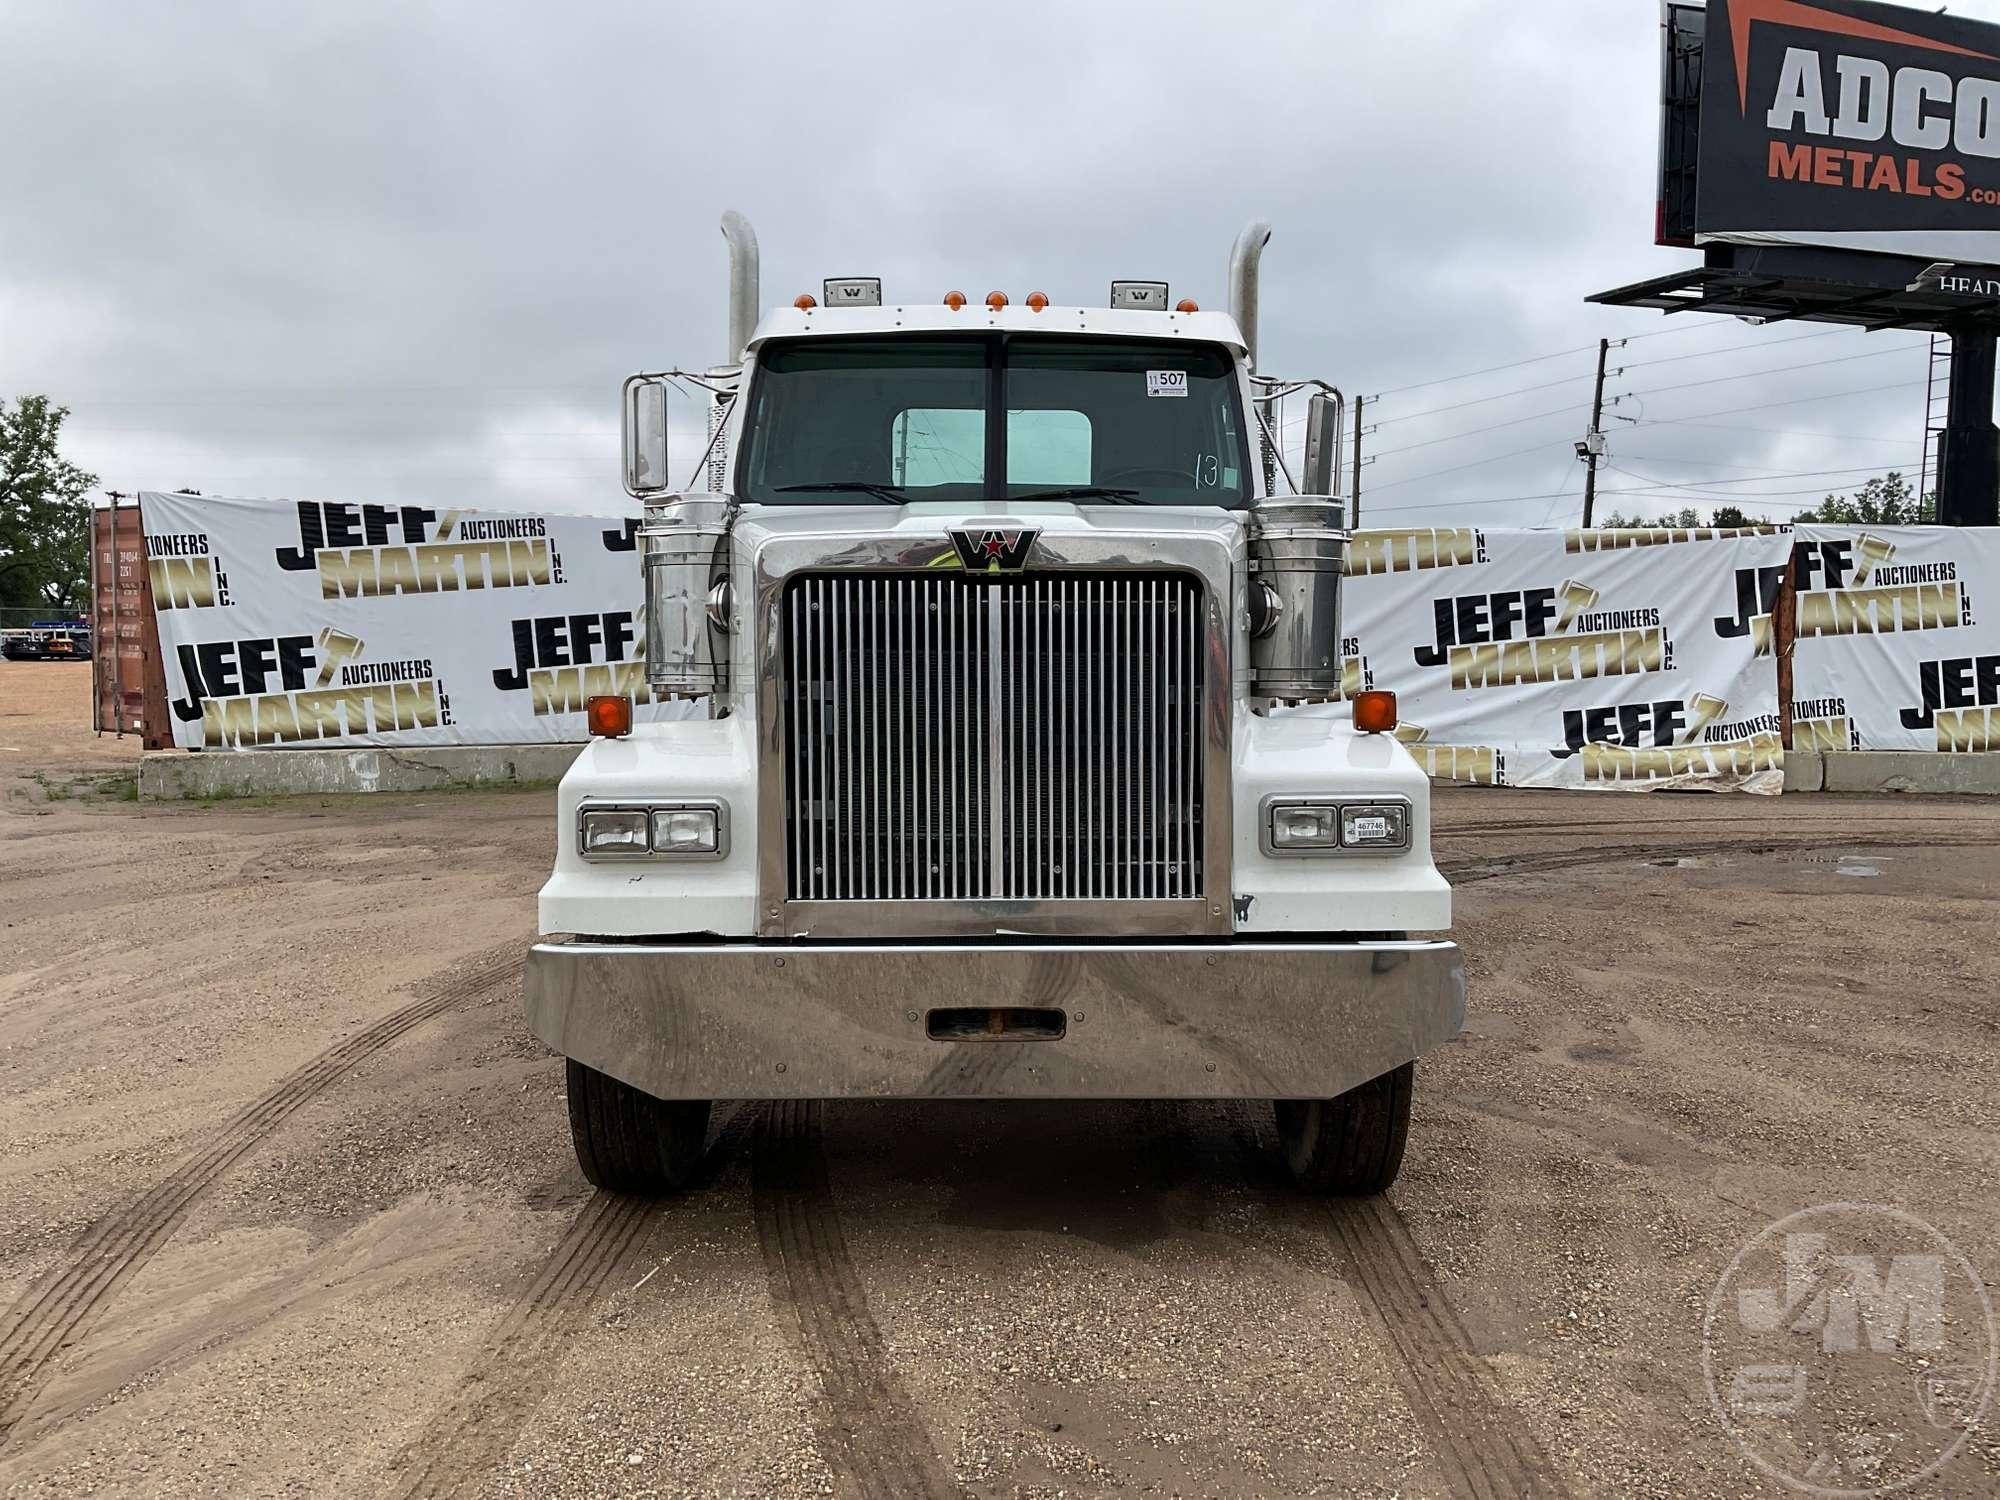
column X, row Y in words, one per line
column 996, row 300
column 1139, row 296
column 853, row 291
column 954, row 300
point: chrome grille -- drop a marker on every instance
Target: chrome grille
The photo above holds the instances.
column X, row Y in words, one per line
column 1013, row 739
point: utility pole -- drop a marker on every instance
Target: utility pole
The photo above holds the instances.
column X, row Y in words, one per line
column 1354, row 506
column 1592, row 446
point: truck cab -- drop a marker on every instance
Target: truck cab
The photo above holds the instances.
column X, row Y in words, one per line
column 1022, row 763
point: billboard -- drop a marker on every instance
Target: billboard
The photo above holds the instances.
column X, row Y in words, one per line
column 1838, row 123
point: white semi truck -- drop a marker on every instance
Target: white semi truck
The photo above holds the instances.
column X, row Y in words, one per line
column 1026, row 770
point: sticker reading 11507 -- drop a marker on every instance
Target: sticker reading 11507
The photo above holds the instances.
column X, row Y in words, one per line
column 1166, row 382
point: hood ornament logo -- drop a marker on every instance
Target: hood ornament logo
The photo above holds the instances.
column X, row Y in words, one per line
column 994, row 551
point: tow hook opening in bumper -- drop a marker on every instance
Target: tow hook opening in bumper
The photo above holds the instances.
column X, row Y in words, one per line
column 995, row 1023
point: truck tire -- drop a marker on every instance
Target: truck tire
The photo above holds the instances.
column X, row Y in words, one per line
column 1351, row 1145
column 628, row 1141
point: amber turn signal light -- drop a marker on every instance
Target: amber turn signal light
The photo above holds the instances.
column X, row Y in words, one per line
column 1187, row 304
column 608, row 716
column 1374, row 711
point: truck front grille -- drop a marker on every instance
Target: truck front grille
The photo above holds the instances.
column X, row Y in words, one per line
column 1012, row 739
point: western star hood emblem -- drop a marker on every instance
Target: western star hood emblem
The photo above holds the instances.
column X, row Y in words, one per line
column 993, row 551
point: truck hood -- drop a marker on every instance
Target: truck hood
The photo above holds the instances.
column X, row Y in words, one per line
column 1156, row 531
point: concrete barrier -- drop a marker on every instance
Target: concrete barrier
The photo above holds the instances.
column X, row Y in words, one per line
column 170, row 774
column 1892, row 771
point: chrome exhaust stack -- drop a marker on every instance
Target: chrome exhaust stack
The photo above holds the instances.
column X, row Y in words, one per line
column 1298, row 551
column 1243, row 261
column 744, row 271
column 690, row 603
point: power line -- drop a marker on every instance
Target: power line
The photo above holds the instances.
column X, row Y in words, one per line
column 1536, row 359
column 1455, row 468
column 1725, row 411
column 1674, row 359
column 1558, row 411
column 1648, row 489
column 1829, row 437
column 1715, row 485
column 1630, row 338
column 1811, row 364
column 1482, row 400
column 1655, row 391
column 1704, row 463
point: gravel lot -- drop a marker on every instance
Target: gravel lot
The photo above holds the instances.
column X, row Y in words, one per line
column 287, row 1204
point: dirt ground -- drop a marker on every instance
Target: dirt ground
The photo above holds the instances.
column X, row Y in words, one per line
column 287, row 1204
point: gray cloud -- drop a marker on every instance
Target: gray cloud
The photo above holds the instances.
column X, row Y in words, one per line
column 407, row 252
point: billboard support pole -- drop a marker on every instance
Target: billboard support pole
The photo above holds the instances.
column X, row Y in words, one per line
column 1968, row 490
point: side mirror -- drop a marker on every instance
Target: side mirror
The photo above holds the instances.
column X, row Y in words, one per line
column 1322, row 466
column 646, row 436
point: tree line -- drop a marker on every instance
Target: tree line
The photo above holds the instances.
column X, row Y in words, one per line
column 44, row 513
column 1886, row 500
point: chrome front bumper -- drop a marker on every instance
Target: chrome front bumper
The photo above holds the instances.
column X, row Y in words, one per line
column 1148, row 1021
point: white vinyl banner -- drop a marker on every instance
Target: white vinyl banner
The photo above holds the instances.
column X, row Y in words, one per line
column 327, row 623
column 1898, row 644
column 1632, row 659
column 1626, row 659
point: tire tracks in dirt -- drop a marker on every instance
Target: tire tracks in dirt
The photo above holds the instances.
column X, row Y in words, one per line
column 64, row 1305
column 1476, row 1436
column 472, row 1434
column 1471, row 869
column 870, row 1434
column 469, row 1437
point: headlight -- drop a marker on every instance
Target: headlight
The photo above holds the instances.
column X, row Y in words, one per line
column 678, row 830
column 1297, row 825
column 686, row 830
column 1305, row 825
column 1374, row 825
column 615, row 830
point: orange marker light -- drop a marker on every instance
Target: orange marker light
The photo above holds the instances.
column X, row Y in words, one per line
column 1038, row 300
column 607, row 716
column 996, row 300
column 1186, row 304
column 804, row 302
column 1374, row 711
column 954, row 300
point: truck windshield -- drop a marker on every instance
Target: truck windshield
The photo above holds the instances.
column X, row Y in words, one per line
column 1131, row 421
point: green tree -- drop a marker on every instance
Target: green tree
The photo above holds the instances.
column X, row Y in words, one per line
column 44, row 517
column 1688, row 518
column 1886, row 500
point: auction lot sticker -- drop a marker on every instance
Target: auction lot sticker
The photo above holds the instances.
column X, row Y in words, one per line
column 1850, row 1349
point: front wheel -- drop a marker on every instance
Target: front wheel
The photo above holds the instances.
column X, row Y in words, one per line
column 1351, row 1145
column 628, row 1141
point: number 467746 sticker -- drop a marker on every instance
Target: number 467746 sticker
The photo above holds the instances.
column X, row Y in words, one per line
column 1166, row 382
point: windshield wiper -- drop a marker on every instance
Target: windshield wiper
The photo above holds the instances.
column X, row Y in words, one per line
column 1083, row 492
column 892, row 494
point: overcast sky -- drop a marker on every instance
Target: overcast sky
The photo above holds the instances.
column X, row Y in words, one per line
column 406, row 252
